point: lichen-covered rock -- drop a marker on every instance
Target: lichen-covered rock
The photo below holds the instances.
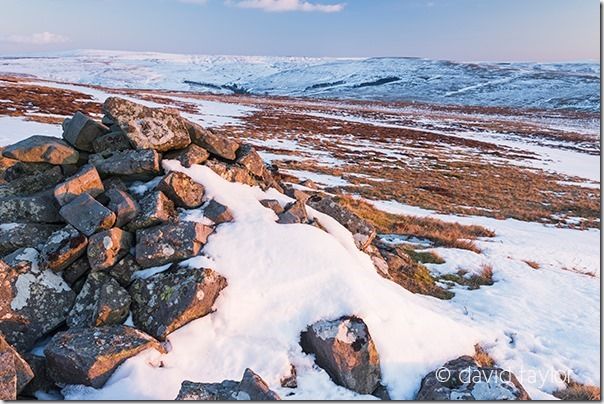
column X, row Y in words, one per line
column 273, row 204
column 251, row 387
column 250, row 159
column 62, row 248
column 168, row 300
column 22, row 370
column 297, row 194
column 217, row 212
column 181, row 188
column 464, row 379
column 80, row 131
column 112, row 141
column 33, row 302
column 89, row 356
column 362, row 232
column 170, row 242
column 123, row 205
column 40, row 382
column 8, row 377
column 155, row 208
column 123, row 270
column 42, row 149
column 39, row 208
column 87, row 180
column 188, row 156
column 216, row 144
column 107, row 247
column 87, row 215
column 345, row 350
column 232, row 172
column 134, row 164
column 32, row 184
column 22, row 169
column 16, row 235
column 294, row 213
column 148, row 128
column 76, row 270
column 102, row 301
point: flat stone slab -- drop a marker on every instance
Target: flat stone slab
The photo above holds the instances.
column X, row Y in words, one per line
column 16, row 235
column 31, row 184
column 148, row 128
column 134, row 164
column 86, row 180
column 39, row 208
column 89, row 356
column 168, row 300
column 87, row 215
column 166, row 243
column 42, row 149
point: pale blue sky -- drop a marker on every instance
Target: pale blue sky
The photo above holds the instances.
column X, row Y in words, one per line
column 496, row 30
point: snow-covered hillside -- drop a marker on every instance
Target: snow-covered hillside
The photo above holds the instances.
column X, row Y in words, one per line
column 572, row 86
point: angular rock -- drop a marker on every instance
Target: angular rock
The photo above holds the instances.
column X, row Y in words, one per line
column 22, row 370
column 250, row 159
column 123, row 205
column 42, row 149
column 107, row 247
column 181, row 188
column 188, row 156
column 8, row 377
column 41, row 381
column 168, row 300
column 291, row 380
column 87, row 215
column 170, row 242
column 32, row 184
column 362, row 232
column 102, row 301
column 155, row 208
column 294, row 213
column 123, row 270
column 81, row 131
column 111, row 142
column 251, row 387
column 62, row 248
column 148, row 128
column 232, row 172
column 39, row 208
column 76, row 271
column 273, row 204
column 21, row 169
column 217, row 212
column 464, row 379
column 33, row 302
column 87, row 180
column 16, row 235
column 297, row 194
column 345, row 350
column 135, row 164
column 216, row 144
column 89, row 356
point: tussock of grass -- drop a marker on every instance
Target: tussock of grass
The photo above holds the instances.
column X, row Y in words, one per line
column 442, row 234
column 532, row 264
column 482, row 357
column 474, row 281
column 424, row 257
column 575, row 391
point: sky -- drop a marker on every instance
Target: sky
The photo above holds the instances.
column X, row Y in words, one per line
column 464, row 30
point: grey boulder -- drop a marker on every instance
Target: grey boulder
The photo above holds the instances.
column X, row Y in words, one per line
column 107, row 247
column 87, row 180
column 134, row 164
column 181, row 189
column 155, row 208
column 188, row 156
column 112, row 141
column 42, row 149
column 62, row 248
column 80, row 131
column 216, row 144
column 17, row 235
column 38, row 208
column 87, row 215
column 251, row 387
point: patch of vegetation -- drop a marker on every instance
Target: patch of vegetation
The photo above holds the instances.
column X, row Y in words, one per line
column 532, row 264
column 576, row 391
column 473, row 281
column 424, row 257
column 482, row 357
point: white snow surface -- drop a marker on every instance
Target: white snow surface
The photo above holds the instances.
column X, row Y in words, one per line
column 282, row 278
column 13, row 129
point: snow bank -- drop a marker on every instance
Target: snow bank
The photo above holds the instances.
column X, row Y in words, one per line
column 281, row 279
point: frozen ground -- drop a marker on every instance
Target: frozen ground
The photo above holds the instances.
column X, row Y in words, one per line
column 526, row 85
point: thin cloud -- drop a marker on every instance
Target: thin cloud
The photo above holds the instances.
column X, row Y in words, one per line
column 38, row 38
column 289, row 5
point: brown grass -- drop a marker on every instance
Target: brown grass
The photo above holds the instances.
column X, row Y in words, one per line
column 482, row 357
column 575, row 391
column 532, row 264
column 474, row 281
column 442, row 234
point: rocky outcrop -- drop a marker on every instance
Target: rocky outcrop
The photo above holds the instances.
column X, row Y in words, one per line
column 294, row 212
column 89, row 356
column 102, row 301
column 42, row 149
column 251, row 387
column 170, row 299
column 80, row 131
column 181, row 189
column 33, row 301
column 272, row 204
column 170, row 243
column 464, row 379
column 345, row 350
column 148, row 128
column 87, row 180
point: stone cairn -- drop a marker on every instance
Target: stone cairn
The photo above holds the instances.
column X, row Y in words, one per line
column 75, row 237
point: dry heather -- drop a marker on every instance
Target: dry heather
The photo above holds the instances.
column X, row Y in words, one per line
column 575, row 391
column 442, row 234
column 482, row 357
